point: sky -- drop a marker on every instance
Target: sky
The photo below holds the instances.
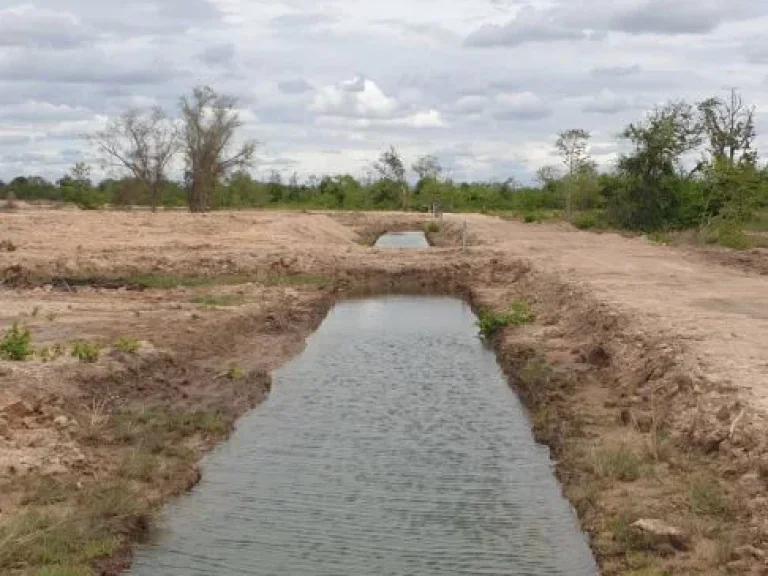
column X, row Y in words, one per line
column 325, row 85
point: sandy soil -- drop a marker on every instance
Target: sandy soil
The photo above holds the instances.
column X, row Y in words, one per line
column 639, row 341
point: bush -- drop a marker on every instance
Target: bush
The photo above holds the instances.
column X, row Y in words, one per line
column 620, row 464
column 707, row 498
column 587, row 221
column 128, row 345
column 432, row 228
column 490, row 322
column 86, row 352
column 16, row 344
column 729, row 234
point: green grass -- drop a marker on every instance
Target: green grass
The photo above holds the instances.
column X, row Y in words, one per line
column 589, row 221
column 235, row 373
column 432, row 228
column 620, row 464
column 85, row 351
column 170, row 281
column 128, row 345
column 221, row 300
column 16, row 344
column 490, row 322
column 707, row 498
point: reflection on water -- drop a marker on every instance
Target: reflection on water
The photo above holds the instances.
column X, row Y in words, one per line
column 403, row 240
column 391, row 446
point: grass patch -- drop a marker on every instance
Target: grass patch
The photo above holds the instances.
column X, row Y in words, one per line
column 432, row 228
column 85, row 351
column 128, row 345
column 620, row 464
column 16, row 344
column 235, row 372
column 139, row 466
column 79, row 570
column 170, row 281
column 589, row 221
column 490, row 322
column 217, row 301
column 707, row 498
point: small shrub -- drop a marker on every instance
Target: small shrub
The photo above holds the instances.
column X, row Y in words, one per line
column 128, row 345
column 7, row 246
column 51, row 316
column 728, row 234
column 621, row 464
column 235, row 373
column 432, row 228
column 490, row 322
column 587, row 221
column 35, row 311
column 16, row 344
column 86, row 352
column 707, row 498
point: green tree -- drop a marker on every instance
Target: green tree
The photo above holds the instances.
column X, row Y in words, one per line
column 391, row 168
column 573, row 146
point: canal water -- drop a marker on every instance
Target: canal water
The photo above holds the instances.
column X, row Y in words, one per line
column 391, row 446
column 403, row 240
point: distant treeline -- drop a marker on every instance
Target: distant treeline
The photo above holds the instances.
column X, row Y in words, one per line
column 691, row 166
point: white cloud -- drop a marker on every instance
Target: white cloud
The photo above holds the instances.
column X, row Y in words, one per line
column 358, row 97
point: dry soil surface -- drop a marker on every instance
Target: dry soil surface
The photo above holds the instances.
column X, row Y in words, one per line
column 634, row 344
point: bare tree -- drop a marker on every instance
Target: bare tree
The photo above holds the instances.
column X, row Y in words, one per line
column 390, row 166
column 143, row 142
column 428, row 167
column 572, row 145
column 730, row 126
column 209, row 124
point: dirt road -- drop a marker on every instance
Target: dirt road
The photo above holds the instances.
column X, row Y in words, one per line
column 646, row 370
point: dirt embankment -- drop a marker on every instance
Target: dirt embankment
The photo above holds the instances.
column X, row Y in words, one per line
column 193, row 313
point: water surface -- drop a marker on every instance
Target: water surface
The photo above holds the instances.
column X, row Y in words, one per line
column 391, row 446
column 402, row 240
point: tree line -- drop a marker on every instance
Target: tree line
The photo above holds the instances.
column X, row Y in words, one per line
column 688, row 166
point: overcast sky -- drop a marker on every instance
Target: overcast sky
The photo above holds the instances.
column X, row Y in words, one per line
column 325, row 85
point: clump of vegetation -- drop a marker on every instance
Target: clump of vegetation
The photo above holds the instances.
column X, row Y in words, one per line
column 587, row 221
column 51, row 316
column 216, row 301
column 35, row 311
column 707, row 498
column 16, row 344
column 128, row 345
column 432, row 227
column 620, row 464
column 235, row 372
column 518, row 314
column 7, row 246
column 85, row 351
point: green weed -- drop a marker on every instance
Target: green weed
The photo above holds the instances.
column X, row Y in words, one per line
column 490, row 322
column 128, row 345
column 85, row 351
column 16, row 344
column 432, row 228
column 707, row 498
column 235, row 373
column 620, row 464
column 216, row 301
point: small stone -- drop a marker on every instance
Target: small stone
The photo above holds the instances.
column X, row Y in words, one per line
column 61, row 422
column 663, row 533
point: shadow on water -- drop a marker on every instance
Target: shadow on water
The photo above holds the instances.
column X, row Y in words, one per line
column 391, row 446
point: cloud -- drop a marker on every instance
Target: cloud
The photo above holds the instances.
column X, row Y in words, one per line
column 607, row 102
column 356, row 98
column 530, row 25
column 294, row 86
column 27, row 25
column 665, row 17
column 616, row 71
column 520, row 106
column 218, row 54
column 302, row 20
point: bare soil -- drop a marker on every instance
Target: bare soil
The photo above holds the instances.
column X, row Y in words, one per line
column 646, row 370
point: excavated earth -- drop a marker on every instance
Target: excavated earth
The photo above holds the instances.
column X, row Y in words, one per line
column 645, row 371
